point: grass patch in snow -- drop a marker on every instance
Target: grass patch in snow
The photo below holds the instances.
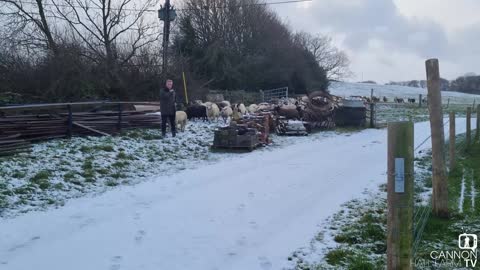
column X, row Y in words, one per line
column 442, row 234
column 41, row 179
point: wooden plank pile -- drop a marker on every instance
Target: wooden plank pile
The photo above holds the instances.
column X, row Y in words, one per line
column 18, row 131
column 12, row 144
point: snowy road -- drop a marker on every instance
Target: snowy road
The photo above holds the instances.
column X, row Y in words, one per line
column 248, row 212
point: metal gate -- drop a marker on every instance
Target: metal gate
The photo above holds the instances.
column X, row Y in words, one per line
column 279, row 93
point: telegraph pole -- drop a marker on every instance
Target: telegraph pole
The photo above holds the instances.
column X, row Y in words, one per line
column 166, row 14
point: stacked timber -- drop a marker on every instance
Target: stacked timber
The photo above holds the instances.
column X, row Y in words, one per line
column 17, row 131
column 12, row 144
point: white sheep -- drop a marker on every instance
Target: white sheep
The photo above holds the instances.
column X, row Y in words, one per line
column 253, row 108
column 265, row 106
column 226, row 113
column 225, row 103
column 236, row 113
column 213, row 112
column 242, row 109
column 180, row 120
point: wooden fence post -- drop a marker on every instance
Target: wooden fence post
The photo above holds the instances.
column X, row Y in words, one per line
column 469, row 127
column 452, row 140
column 420, row 100
column 477, row 128
column 120, row 111
column 69, row 120
column 400, row 196
column 439, row 175
column 372, row 115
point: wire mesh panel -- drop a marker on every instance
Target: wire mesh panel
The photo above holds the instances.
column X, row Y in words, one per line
column 274, row 94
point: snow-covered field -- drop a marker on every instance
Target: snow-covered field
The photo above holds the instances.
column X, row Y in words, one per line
column 345, row 89
column 244, row 212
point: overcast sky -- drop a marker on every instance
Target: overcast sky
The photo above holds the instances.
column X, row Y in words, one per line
column 389, row 40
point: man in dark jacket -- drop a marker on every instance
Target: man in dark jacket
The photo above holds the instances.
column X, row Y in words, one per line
column 167, row 107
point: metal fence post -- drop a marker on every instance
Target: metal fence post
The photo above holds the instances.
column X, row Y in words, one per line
column 400, row 196
column 439, row 174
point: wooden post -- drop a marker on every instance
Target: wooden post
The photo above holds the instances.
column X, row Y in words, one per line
column 119, row 124
column 420, row 100
column 477, row 128
column 371, row 95
column 439, row 175
column 452, row 140
column 400, row 196
column 372, row 115
column 469, row 127
column 448, row 102
column 69, row 121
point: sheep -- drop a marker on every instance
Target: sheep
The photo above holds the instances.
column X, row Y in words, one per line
column 180, row 120
column 385, row 99
column 236, row 113
column 242, row 109
column 213, row 112
column 226, row 113
column 264, row 107
column 224, row 104
column 253, row 108
column 375, row 99
column 411, row 100
column 398, row 100
column 197, row 111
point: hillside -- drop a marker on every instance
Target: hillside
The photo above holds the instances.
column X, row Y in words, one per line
column 346, row 89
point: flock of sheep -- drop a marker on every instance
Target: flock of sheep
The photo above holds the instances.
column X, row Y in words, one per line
column 210, row 111
column 289, row 108
column 375, row 99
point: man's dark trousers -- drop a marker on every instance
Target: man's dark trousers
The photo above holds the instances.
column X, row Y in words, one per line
column 171, row 119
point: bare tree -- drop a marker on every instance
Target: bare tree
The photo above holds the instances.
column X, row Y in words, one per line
column 26, row 23
column 109, row 26
column 328, row 56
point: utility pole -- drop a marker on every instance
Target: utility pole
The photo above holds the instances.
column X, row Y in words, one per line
column 166, row 14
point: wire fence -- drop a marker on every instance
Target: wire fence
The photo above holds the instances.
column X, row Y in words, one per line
column 423, row 209
column 385, row 112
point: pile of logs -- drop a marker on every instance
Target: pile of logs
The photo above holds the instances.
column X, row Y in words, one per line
column 19, row 130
